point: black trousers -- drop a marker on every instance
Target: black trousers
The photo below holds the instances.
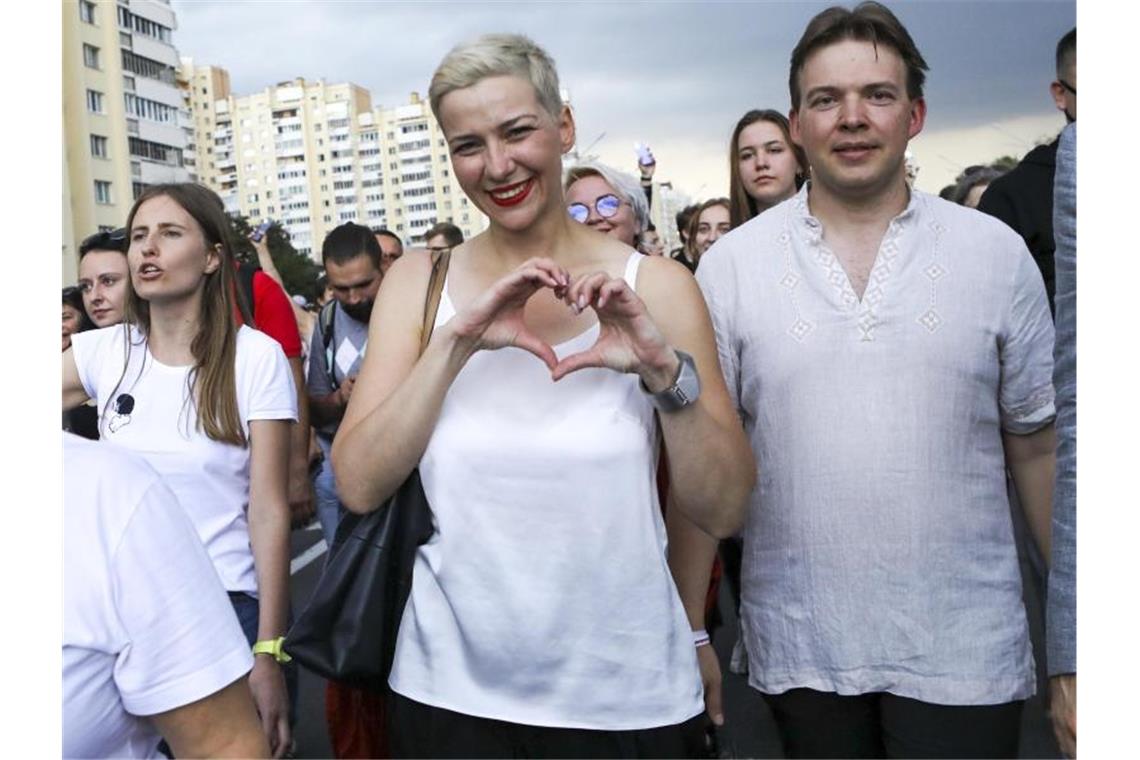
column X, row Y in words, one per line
column 420, row 730
column 824, row 724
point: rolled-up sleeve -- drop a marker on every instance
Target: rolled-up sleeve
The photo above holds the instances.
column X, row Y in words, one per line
column 1026, row 394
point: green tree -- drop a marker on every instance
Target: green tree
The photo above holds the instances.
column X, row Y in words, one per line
column 299, row 272
column 1005, row 163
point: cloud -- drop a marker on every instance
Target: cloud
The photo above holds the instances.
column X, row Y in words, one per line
column 673, row 74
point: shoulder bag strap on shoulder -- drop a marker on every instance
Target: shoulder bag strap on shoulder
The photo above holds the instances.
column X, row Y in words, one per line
column 439, row 262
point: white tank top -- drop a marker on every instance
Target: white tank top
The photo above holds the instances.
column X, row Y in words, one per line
column 544, row 596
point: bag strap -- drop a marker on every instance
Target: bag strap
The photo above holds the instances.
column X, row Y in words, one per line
column 325, row 323
column 439, row 262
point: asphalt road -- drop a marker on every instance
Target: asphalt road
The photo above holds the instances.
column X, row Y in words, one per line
column 748, row 732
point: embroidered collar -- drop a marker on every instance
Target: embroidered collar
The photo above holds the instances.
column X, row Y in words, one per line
column 801, row 213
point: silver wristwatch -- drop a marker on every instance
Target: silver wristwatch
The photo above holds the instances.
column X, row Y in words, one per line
column 686, row 387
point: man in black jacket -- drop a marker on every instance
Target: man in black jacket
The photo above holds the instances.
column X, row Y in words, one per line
column 1023, row 198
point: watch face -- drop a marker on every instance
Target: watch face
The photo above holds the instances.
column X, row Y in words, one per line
column 684, row 391
column 688, row 384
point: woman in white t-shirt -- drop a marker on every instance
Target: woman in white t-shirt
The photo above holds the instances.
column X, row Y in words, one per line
column 208, row 404
column 542, row 619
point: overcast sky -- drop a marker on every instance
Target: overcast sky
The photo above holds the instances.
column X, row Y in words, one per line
column 675, row 75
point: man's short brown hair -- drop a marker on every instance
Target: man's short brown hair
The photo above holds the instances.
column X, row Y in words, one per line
column 452, row 234
column 868, row 22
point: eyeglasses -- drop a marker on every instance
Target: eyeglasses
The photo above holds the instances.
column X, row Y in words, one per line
column 1067, row 86
column 606, row 205
column 106, row 240
column 439, row 248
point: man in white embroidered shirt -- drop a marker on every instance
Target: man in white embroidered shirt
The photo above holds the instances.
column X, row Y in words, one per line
column 890, row 355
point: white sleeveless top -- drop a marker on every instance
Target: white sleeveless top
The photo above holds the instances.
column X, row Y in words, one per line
column 543, row 596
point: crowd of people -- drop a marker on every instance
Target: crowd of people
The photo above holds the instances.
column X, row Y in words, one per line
column 828, row 396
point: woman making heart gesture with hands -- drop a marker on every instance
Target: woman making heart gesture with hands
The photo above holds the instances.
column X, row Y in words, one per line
column 543, row 619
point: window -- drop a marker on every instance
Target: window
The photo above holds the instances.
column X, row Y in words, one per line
column 98, row 146
column 90, row 56
column 151, row 110
column 164, row 154
column 102, row 192
column 94, row 101
column 145, row 67
column 128, row 20
column 86, row 11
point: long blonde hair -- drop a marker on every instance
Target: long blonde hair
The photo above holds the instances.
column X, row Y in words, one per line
column 212, row 381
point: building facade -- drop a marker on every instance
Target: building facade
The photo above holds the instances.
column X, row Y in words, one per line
column 124, row 122
column 312, row 156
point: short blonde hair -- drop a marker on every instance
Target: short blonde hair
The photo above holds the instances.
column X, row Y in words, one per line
column 494, row 55
column 624, row 185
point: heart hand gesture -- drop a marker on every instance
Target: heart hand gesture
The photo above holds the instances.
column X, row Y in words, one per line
column 495, row 319
column 628, row 339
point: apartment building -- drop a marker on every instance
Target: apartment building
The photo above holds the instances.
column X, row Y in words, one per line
column 124, row 125
column 419, row 180
column 312, row 156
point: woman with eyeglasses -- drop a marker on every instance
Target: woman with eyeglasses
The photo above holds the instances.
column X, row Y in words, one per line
column 208, row 403
column 765, row 166
column 606, row 200
column 542, row 618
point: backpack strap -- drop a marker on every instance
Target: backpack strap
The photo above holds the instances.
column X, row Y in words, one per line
column 325, row 319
